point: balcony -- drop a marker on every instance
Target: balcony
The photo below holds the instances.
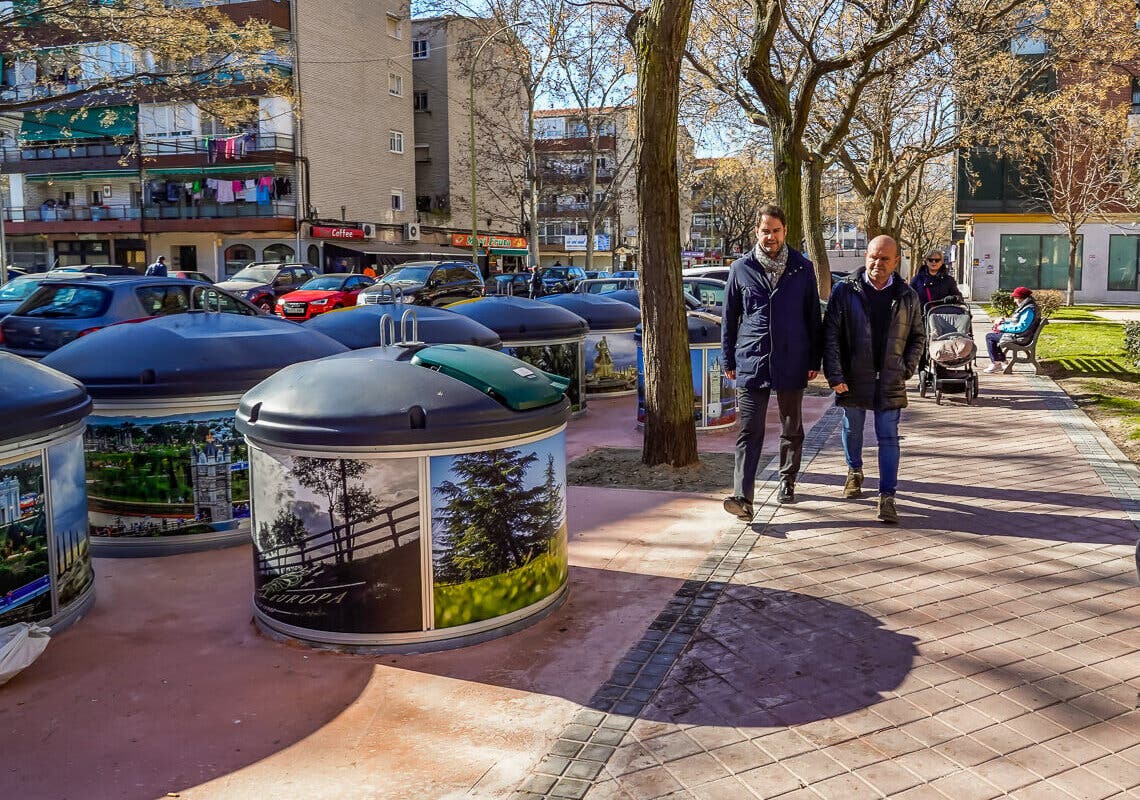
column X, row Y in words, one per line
column 153, row 218
column 573, row 208
column 222, row 146
column 573, row 173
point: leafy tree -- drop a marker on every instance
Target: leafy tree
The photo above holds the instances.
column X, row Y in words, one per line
column 733, row 190
column 490, row 521
column 553, row 511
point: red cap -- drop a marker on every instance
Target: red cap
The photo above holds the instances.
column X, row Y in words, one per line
column 1021, row 292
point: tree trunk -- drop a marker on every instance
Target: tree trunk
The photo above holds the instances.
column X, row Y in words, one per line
column 813, row 223
column 532, row 184
column 1071, row 293
column 658, row 35
column 787, row 165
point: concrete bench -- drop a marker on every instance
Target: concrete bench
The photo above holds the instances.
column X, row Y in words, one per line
column 1025, row 353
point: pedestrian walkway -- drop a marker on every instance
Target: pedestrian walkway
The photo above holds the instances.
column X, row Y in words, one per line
column 985, row 647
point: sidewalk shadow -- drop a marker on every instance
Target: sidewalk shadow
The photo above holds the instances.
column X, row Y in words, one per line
column 768, row 658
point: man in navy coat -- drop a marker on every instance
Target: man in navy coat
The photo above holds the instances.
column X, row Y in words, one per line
column 772, row 338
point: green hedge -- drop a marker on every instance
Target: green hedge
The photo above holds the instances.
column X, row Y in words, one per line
column 1132, row 341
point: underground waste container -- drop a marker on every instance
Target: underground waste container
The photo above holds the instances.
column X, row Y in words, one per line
column 391, row 323
column 541, row 334
column 714, row 395
column 407, row 504
column 166, row 469
column 610, row 352
column 45, row 561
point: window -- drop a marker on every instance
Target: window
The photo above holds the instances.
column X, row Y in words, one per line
column 397, row 199
column 420, row 48
column 277, row 252
column 419, row 101
column 159, row 300
column 395, row 142
column 314, row 255
column 237, row 256
column 423, row 202
column 423, row 153
column 1123, row 263
column 1037, row 261
column 395, row 84
column 1135, row 96
column 108, row 59
column 395, row 29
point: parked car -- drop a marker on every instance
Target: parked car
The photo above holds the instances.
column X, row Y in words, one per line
column 556, row 280
column 16, row 272
column 426, row 283
column 99, row 269
column 19, row 289
column 322, row 293
column 626, row 273
column 201, row 277
column 513, row 283
column 720, row 273
column 63, row 309
column 603, row 285
column 597, row 273
column 709, row 291
column 262, row 284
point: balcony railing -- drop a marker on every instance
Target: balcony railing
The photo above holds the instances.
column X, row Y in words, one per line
column 126, row 212
column 562, row 206
column 224, row 146
column 103, row 148
column 578, row 172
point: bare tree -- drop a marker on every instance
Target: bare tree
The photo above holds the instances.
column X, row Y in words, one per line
column 733, row 190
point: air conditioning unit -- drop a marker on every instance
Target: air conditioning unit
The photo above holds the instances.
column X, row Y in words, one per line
column 369, row 230
column 411, row 231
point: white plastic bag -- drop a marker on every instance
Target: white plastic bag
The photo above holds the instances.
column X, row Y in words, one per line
column 20, row 645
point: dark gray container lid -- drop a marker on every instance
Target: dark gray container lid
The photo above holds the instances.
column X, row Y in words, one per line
column 186, row 355
column 601, row 312
column 364, row 400
column 359, row 327
column 520, row 319
column 703, row 329
column 36, row 399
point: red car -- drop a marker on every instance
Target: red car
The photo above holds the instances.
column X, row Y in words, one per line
column 321, row 294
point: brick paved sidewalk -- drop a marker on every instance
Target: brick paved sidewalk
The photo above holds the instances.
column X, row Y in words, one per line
column 985, row 647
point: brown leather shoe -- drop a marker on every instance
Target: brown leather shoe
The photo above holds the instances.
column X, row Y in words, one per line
column 887, row 511
column 739, row 507
column 854, row 486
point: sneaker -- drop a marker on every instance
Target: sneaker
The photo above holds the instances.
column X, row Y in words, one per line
column 787, row 493
column 887, row 511
column 739, row 507
column 854, row 486
column 994, row 367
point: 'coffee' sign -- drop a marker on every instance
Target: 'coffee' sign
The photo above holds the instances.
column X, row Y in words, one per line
column 329, row 232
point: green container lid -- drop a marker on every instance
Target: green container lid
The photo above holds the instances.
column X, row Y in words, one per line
column 514, row 383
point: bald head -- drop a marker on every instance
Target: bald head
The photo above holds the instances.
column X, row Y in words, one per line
column 882, row 260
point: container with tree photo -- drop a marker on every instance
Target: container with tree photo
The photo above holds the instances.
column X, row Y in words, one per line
column 69, row 521
column 498, row 530
column 25, row 580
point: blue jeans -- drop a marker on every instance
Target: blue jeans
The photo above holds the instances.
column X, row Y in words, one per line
column 887, row 434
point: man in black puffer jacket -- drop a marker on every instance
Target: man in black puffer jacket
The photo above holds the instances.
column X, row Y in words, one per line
column 873, row 338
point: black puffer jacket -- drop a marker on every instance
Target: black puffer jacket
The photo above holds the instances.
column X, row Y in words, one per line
column 931, row 288
column 847, row 355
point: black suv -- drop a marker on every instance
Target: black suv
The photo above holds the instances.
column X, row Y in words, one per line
column 561, row 279
column 425, row 283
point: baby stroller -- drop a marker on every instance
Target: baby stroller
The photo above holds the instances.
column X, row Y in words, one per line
column 947, row 364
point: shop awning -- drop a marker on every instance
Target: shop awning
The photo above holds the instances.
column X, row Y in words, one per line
column 389, row 253
column 89, row 175
column 228, row 169
column 64, row 124
column 509, row 251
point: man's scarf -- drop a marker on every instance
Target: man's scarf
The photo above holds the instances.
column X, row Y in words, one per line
column 773, row 267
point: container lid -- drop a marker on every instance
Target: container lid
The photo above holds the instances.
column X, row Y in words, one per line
column 601, row 312
column 36, row 399
column 520, row 319
column 362, row 400
column 192, row 354
column 359, row 326
column 703, row 328
column 514, row 382
column 631, row 296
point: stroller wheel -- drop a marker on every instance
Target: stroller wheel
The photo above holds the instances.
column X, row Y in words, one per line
column 938, row 397
column 922, row 387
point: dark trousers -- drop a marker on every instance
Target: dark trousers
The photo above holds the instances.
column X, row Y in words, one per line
column 752, row 408
column 992, row 340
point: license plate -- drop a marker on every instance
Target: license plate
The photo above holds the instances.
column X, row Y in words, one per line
column 297, row 307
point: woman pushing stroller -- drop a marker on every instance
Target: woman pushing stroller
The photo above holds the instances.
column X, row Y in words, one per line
column 1018, row 329
column 934, row 282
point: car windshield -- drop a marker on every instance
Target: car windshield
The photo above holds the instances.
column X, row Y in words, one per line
column 63, row 301
column 625, row 274
column 556, row 272
column 256, row 274
column 18, row 288
column 408, row 275
column 327, row 283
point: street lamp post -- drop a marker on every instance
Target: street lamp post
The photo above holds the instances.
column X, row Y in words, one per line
column 471, row 109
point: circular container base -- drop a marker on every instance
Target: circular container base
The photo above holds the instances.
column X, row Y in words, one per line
column 713, row 429
column 411, row 643
column 604, row 395
column 70, row 615
column 147, row 546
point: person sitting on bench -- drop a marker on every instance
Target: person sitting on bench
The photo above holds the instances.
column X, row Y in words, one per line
column 1018, row 329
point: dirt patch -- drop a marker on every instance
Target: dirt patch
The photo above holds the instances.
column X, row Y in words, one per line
column 1112, row 404
column 618, row 466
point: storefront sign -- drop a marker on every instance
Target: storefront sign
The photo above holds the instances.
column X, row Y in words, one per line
column 498, row 242
column 578, row 242
column 328, row 232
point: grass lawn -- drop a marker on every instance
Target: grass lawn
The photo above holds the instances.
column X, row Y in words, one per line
column 1088, row 348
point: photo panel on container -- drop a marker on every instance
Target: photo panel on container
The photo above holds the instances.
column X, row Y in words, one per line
column 720, row 407
column 640, row 386
column 173, row 475
column 697, row 367
column 498, row 530
column 25, row 580
column 337, row 542
column 558, row 359
column 66, row 476
column 611, row 363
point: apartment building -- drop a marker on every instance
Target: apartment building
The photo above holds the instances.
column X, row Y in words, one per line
column 568, row 162
column 1004, row 238
column 330, row 180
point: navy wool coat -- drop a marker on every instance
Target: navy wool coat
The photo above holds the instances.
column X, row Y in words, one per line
column 772, row 336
